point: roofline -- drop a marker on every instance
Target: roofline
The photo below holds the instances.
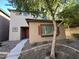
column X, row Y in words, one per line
column 11, row 10
column 4, row 13
column 41, row 20
column 15, row 10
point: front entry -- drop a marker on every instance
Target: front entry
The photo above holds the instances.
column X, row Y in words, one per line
column 24, row 33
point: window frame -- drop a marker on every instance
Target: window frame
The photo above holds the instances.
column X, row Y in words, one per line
column 41, row 29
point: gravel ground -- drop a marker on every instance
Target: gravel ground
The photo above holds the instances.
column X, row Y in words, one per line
column 7, row 46
column 62, row 52
column 27, row 46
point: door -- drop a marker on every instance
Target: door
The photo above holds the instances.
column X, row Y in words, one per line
column 24, row 33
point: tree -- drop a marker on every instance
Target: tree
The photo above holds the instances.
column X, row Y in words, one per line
column 42, row 7
column 70, row 14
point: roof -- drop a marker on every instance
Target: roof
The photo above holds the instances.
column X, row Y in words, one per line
column 4, row 12
column 41, row 20
column 12, row 9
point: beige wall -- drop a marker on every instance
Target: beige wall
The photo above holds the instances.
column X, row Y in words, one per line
column 75, row 30
column 69, row 33
column 35, row 37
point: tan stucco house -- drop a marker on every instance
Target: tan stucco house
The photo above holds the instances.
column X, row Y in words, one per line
column 24, row 26
column 42, row 30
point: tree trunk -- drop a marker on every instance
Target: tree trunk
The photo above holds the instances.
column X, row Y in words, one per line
column 70, row 36
column 54, row 40
column 69, row 29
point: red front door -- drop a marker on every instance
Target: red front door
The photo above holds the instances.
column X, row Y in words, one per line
column 24, row 33
column 27, row 33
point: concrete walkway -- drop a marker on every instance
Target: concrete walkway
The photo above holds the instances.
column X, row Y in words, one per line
column 15, row 52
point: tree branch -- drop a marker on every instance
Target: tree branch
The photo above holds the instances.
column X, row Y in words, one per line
column 56, row 9
column 50, row 9
column 60, row 23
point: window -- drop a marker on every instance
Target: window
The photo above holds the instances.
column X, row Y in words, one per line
column 15, row 29
column 46, row 30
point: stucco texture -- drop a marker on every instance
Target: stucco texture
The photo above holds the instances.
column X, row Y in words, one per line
column 69, row 32
column 17, row 21
column 35, row 37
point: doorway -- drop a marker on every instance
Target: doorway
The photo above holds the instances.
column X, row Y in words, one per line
column 24, row 33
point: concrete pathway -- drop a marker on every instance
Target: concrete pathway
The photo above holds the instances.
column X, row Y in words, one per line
column 15, row 52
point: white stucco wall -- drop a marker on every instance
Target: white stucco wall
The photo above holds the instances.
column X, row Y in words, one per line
column 16, row 21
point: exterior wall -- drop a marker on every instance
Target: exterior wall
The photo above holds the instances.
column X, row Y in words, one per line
column 75, row 30
column 3, row 15
column 35, row 37
column 4, row 27
column 16, row 22
column 69, row 33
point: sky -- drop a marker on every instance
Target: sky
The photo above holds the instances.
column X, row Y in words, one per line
column 4, row 7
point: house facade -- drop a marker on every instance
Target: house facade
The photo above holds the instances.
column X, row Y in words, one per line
column 42, row 30
column 26, row 27
column 4, row 25
column 18, row 25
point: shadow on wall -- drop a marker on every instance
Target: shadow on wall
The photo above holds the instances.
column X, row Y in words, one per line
column 4, row 29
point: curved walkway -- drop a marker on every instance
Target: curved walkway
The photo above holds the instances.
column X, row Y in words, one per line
column 16, row 50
